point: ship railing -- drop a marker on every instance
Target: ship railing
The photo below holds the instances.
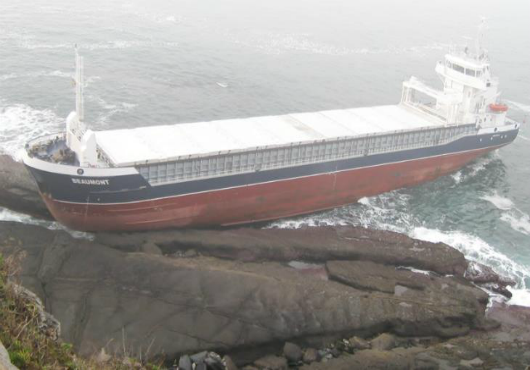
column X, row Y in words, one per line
column 232, row 163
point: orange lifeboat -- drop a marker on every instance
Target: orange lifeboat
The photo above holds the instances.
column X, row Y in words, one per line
column 498, row 108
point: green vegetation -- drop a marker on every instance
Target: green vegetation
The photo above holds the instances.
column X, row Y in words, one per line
column 30, row 348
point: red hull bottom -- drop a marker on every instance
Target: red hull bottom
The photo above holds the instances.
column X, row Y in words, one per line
column 259, row 202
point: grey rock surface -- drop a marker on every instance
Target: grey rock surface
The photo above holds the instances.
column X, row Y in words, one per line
column 271, row 363
column 312, row 244
column 292, row 352
column 103, row 296
column 18, row 190
column 383, row 342
column 399, row 359
column 359, row 343
column 366, row 275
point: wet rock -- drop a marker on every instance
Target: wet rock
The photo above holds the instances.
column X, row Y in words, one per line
column 314, row 244
column 214, row 361
column 424, row 361
column 367, row 275
column 486, row 277
column 359, row 343
column 199, row 357
column 481, row 274
column 229, row 363
column 185, row 363
column 476, row 362
column 18, row 190
column 310, row 355
column 370, row 359
column 292, row 352
column 271, row 363
column 100, row 295
column 150, row 248
column 383, row 342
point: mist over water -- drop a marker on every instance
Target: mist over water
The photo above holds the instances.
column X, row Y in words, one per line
column 158, row 62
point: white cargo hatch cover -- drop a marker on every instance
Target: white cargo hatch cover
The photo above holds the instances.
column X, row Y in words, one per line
column 159, row 143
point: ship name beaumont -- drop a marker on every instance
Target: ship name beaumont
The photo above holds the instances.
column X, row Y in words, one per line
column 90, row 181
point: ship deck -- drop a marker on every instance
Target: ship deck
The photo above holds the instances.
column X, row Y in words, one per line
column 150, row 144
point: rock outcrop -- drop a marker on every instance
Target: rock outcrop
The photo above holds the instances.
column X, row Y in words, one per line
column 18, row 190
column 320, row 244
column 107, row 297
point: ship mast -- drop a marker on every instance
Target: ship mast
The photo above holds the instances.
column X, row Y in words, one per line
column 479, row 40
column 79, row 86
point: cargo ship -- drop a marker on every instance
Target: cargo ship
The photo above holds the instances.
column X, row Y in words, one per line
column 246, row 170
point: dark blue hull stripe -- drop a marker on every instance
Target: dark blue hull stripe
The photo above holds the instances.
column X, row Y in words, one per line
column 132, row 188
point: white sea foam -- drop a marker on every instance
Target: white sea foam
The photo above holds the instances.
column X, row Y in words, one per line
column 476, row 249
column 310, row 221
column 8, row 215
column 20, row 123
column 457, row 177
column 111, row 109
column 520, row 297
column 498, row 201
column 517, row 219
column 523, row 137
column 520, row 223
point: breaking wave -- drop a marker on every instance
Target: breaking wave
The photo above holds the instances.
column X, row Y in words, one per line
column 513, row 216
column 498, row 201
column 8, row 215
column 21, row 123
column 520, row 223
column 476, row 249
column 391, row 211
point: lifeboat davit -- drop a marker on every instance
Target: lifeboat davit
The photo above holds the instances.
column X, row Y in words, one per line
column 498, row 108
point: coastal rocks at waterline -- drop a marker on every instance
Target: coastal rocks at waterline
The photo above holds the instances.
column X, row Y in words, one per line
column 109, row 296
column 18, row 190
column 485, row 276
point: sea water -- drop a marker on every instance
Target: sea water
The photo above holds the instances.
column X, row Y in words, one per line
column 152, row 62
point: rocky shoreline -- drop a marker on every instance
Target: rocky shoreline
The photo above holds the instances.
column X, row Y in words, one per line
column 316, row 298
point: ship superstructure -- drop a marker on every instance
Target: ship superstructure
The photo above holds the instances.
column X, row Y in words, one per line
column 261, row 168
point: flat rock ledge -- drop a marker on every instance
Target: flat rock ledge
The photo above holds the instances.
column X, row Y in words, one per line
column 236, row 292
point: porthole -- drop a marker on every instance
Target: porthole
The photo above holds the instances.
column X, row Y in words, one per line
column 80, row 171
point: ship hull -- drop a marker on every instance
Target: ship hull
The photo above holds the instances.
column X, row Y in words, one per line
column 257, row 202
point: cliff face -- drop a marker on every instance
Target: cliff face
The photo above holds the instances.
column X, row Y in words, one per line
column 192, row 300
